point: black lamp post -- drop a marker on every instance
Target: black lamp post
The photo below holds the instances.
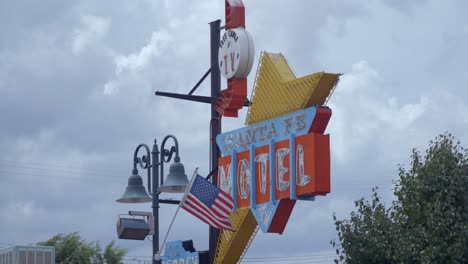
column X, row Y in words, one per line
column 176, row 181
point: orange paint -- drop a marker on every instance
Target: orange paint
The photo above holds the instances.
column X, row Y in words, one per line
column 243, row 179
column 262, row 186
column 311, row 150
column 316, row 164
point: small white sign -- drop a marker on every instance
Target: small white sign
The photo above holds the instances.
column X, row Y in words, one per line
column 236, row 53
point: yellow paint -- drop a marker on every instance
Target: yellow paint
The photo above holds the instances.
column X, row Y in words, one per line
column 277, row 91
column 232, row 245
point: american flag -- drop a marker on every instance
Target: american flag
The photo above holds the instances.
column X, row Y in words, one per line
column 209, row 203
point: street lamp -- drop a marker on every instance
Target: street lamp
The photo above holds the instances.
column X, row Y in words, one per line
column 176, row 181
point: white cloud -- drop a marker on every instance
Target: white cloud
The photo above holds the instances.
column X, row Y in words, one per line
column 92, row 29
column 403, row 116
column 129, row 66
column 23, row 208
column 361, row 78
column 363, row 110
column 158, row 42
column 111, row 87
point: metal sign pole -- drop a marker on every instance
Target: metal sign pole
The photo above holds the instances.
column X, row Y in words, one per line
column 215, row 122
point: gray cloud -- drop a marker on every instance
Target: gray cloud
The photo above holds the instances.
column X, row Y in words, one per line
column 404, row 6
column 66, row 141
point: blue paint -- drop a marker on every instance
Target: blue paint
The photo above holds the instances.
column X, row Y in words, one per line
column 260, row 134
column 292, row 165
column 264, row 212
column 175, row 253
column 272, row 172
column 286, row 127
column 253, row 196
column 234, row 177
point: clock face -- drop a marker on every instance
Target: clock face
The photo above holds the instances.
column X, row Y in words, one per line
column 236, row 53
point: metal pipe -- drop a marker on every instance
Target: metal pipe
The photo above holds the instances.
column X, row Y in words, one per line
column 168, row 153
column 140, row 213
column 200, row 81
column 155, row 203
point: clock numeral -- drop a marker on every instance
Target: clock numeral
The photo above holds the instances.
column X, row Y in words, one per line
column 225, row 64
column 232, row 61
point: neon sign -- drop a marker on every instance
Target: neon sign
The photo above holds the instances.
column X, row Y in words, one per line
column 236, row 53
column 236, row 56
column 270, row 165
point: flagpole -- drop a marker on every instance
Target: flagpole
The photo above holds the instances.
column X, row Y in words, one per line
column 187, row 190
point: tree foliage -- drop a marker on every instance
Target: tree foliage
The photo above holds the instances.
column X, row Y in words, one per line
column 113, row 254
column 426, row 223
column 72, row 249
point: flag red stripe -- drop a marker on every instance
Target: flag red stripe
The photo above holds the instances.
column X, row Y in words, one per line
column 217, row 214
column 220, row 210
column 208, row 211
column 226, row 196
column 224, row 205
column 207, row 218
column 208, row 221
column 198, row 215
column 194, row 208
column 213, row 213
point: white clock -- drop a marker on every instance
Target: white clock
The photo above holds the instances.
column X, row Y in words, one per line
column 236, row 53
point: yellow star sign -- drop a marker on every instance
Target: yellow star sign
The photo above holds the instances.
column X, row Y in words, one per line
column 277, row 90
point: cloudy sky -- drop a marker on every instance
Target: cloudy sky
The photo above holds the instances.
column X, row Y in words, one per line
column 77, row 82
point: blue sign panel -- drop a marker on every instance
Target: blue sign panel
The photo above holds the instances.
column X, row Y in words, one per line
column 279, row 128
column 175, row 253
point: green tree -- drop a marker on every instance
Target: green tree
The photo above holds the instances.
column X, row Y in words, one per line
column 426, row 223
column 72, row 249
column 113, row 254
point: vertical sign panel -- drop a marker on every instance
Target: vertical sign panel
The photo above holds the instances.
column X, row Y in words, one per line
column 312, row 164
column 243, row 179
column 282, row 171
column 262, row 178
